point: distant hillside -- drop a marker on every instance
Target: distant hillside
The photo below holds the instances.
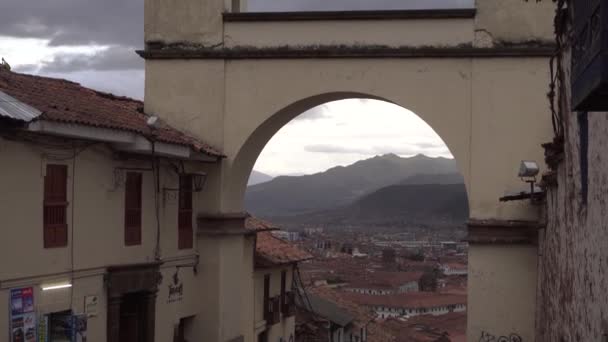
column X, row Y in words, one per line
column 339, row 186
column 447, row 178
column 257, row 177
column 429, row 204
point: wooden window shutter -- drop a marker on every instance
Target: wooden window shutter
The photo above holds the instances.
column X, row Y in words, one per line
column 55, row 206
column 133, row 199
column 184, row 215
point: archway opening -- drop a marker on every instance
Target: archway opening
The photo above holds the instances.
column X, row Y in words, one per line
column 375, row 194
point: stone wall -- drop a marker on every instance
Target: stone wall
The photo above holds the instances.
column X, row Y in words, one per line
column 573, row 262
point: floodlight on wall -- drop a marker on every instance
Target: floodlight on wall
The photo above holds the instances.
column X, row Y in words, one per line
column 56, row 286
column 528, row 169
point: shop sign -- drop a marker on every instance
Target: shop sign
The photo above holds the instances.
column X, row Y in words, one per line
column 90, row 305
column 176, row 290
column 22, row 325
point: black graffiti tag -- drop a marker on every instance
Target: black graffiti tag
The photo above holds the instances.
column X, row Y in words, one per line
column 487, row 337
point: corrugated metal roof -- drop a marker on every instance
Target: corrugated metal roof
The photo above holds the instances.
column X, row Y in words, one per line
column 12, row 108
column 328, row 310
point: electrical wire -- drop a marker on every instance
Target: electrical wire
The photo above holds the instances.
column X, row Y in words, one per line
column 73, row 228
column 156, row 175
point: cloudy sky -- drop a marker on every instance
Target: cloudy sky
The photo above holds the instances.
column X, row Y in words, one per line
column 93, row 41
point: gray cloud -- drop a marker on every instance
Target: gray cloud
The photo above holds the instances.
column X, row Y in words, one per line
column 113, row 58
column 121, row 82
column 317, row 113
column 400, row 149
column 326, row 148
column 75, row 22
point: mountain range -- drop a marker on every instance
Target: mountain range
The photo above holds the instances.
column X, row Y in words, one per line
column 257, row 177
column 387, row 186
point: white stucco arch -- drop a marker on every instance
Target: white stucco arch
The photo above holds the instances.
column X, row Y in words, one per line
column 478, row 77
column 250, row 150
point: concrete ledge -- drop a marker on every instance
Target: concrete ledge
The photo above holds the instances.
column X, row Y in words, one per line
column 503, row 232
column 159, row 51
column 464, row 13
column 222, row 224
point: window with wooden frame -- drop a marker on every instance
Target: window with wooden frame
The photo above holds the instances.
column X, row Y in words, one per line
column 184, row 215
column 266, row 298
column 55, row 224
column 283, row 289
column 133, row 199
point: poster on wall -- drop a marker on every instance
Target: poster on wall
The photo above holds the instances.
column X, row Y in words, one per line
column 79, row 328
column 22, row 315
column 43, row 324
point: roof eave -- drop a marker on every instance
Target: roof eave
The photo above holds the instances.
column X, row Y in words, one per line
column 121, row 140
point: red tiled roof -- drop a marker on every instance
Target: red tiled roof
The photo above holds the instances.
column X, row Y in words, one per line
column 428, row 328
column 408, row 300
column 271, row 250
column 363, row 316
column 68, row 102
column 257, row 224
column 384, row 279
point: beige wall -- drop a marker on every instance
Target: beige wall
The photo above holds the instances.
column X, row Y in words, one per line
column 508, row 21
column 478, row 106
column 98, row 236
column 193, row 21
column 451, row 32
column 500, row 302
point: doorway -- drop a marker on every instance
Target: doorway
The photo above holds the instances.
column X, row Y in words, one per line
column 133, row 318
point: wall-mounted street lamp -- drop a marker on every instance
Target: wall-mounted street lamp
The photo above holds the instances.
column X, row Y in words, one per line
column 199, row 179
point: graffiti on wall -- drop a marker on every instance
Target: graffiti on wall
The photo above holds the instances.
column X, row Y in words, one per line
column 487, row 337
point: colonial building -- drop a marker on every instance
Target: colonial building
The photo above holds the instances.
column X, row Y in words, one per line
column 453, row 268
column 386, row 283
column 274, row 280
column 98, row 226
column 411, row 304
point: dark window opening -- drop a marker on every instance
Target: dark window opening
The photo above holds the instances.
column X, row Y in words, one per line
column 60, row 327
column 183, row 329
column 266, row 298
column 184, row 219
column 283, row 288
column 583, row 121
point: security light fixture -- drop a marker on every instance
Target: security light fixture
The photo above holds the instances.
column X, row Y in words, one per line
column 56, row 286
column 153, row 122
column 528, row 169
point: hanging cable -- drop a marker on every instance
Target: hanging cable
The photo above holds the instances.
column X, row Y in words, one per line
column 156, row 175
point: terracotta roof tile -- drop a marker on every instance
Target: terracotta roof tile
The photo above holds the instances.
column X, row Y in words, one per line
column 270, row 250
column 68, row 102
column 408, row 300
